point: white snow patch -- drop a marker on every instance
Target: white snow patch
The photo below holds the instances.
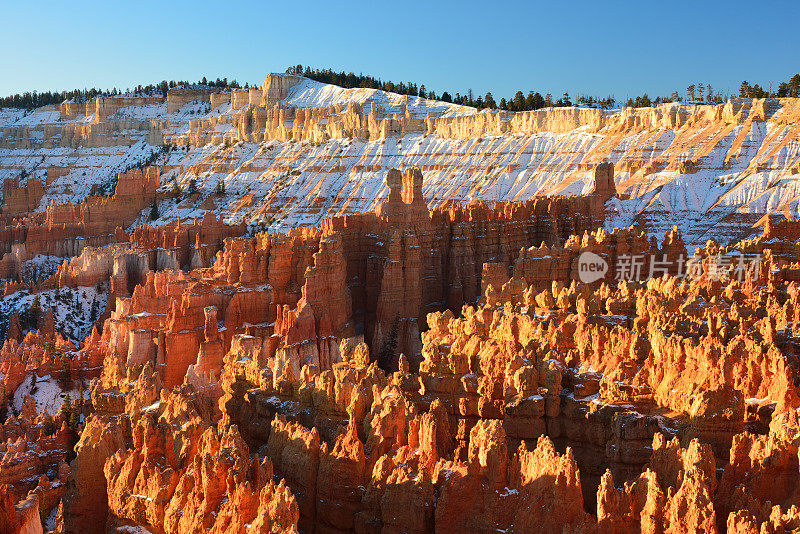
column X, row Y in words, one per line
column 48, row 394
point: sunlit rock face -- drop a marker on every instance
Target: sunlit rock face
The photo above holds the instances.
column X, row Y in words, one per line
column 297, row 151
column 302, row 308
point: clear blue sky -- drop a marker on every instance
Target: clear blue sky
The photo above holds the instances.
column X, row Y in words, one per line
column 599, row 48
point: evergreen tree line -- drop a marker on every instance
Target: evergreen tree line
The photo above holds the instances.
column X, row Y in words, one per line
column 789, row 88
column 31, row 100
column 519, row 102
column 698, row 92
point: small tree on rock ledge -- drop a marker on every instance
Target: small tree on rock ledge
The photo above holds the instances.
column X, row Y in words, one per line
column 154, row 213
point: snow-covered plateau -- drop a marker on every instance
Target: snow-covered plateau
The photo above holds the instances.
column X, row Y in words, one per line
column 300, row 151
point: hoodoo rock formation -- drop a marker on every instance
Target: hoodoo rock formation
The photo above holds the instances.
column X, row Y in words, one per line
column 300, row 308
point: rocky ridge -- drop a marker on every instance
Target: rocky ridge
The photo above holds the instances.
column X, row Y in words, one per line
column 296, row 151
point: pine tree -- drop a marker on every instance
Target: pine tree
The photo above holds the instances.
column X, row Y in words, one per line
column 529, row 101
column 154, row 213
column 66, row 371
column 519, row 101
column 192, row 186
column 794, row 86
column 34, row 313
column 744, row 89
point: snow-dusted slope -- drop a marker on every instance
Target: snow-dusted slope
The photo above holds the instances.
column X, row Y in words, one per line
column 74, row 309
column 85, row 167
column 313, row 94
column 300, row 183
column 48, row 393
column 712, row 170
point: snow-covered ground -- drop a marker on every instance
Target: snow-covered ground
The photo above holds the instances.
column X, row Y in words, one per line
column 311, row 94
column 87, row 167
column 39, row 267
column 48, row 393
column 131, row 529
column 72, row 308
column 36, row 117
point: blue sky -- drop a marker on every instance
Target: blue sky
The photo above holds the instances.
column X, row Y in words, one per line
column 597, row 48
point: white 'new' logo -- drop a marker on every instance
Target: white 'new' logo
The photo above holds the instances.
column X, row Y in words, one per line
column 591, row 267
